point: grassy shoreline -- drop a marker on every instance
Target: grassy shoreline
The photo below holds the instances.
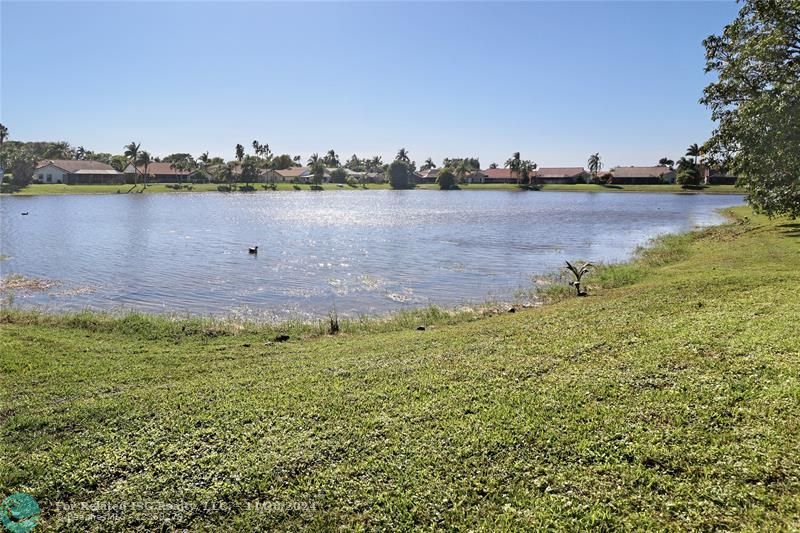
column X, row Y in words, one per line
column 667, row 399
column 60, row 189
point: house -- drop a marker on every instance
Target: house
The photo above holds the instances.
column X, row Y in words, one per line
column 291, row 175
column 719, row 178
column 428, row 176
column 498, row 175
column 475, row 177
column 159, row 172
column 560, row 175
column 70, row 171
column 716, row 177
column 642, row 175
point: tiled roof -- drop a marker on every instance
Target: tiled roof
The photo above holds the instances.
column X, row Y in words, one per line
column 163, row 168
column 497, row 173
column 559, row 172
column 292, row 172
column 639, row 172
column 73, row 165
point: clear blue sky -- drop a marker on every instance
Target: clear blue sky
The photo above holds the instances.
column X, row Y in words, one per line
column 555, row 81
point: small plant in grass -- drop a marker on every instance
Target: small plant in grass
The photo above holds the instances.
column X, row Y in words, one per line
column 333, row 319
column 578, row 273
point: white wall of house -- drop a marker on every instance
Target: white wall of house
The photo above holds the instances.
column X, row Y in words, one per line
column 50, row 174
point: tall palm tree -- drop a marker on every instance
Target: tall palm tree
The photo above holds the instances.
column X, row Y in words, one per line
column 313, row 159
column 402, row 155
column 80, row 153
column 132, row 153
column 462, row 168
column 144, row 161
column 526, row 170
column 331, row 159
column 513, row 165
column 429, row 164
column 3, row 134
column 693, row 151
column 239, row 153
column 595, row 164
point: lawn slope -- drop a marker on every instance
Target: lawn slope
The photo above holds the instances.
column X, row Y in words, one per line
column 670, row 400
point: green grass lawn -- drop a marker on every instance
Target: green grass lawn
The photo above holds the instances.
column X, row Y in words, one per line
column 42, row 189
column 668, row 399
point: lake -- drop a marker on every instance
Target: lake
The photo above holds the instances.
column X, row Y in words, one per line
column 360, row 251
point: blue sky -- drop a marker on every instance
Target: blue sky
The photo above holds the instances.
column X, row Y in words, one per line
column 555, row 81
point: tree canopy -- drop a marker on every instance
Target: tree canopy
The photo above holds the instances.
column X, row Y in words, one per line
column 756, row 102
column 399, row 173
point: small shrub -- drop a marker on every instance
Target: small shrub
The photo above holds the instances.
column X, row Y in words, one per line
column 579, row 273
column 333, row 323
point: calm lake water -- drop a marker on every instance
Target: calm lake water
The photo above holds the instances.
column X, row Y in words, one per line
column 364, row 251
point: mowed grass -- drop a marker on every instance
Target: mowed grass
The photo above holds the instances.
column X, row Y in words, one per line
column 668, row 400
column 48, row 189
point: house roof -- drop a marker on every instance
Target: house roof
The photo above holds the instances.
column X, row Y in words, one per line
column 640, row 172
column 431, row 173
column 497, row 173
column 292, row 172
column 162, row 168
column 72, row 166
column 95, row 172
column 558, row 172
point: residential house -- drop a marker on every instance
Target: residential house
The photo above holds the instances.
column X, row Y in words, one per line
column 642, row 175
column 159, row 173
column 716, row 177
column 72, row 172
column 498, row 175
column 428, row 176
column 560, row 175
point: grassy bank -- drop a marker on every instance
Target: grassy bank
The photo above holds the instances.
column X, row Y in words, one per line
column 669, row 398
column 58, row 189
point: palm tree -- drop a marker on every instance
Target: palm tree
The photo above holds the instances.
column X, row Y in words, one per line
column 227, row 172
column 317, row 166
column 462, row 168
column 693, row 151
column 132, row 153
column 513, row 165
column 666, row 162
column 595, row 164
column 3, row 134
column 526, row 168
column 203, row 159
column 144, row 161
column 331, row 159
column 239, row 153
column 429, row 164
column 376, row 163
column 80, row 152
column 402, row 155
column 493, row 166
column 313, row 159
